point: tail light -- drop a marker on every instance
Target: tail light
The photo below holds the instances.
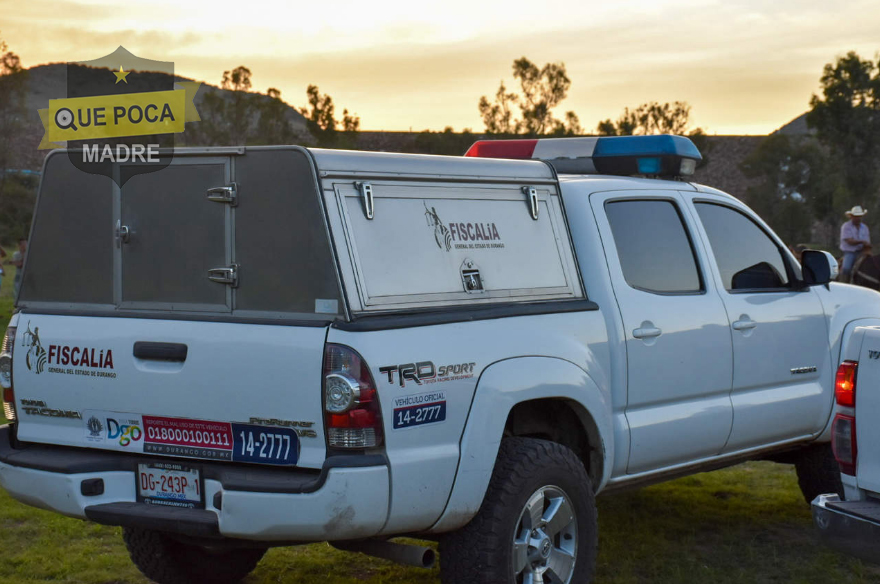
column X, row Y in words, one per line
column 843, row 443
column 6, row 373
column 843, row 429
column 845, row 384
column 351, row 403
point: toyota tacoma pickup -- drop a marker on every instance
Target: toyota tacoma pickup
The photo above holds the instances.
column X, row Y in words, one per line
column 261, row 347
column 851, row 524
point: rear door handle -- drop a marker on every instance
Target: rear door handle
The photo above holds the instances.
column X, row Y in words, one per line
column 646, row 332
column 744, row 324
column 160, row 351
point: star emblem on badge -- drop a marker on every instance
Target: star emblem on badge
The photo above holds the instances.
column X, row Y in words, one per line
column 121, row 75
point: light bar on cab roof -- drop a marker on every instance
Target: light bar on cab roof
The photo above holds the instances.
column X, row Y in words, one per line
column 664, row 155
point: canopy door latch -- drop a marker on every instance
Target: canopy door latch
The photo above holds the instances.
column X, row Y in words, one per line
column 227, row 276
column 532, row 195
column 470, row 277
column 366, row 191
column 227, row 194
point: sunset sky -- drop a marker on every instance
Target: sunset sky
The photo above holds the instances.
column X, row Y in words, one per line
column 745, row 66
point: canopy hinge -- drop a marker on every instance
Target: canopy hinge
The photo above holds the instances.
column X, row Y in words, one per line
column 366, row 191
column 227, row 194
column 532, row 194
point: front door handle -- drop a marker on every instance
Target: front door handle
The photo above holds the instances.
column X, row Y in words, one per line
column 744, row 323
column 646, row 332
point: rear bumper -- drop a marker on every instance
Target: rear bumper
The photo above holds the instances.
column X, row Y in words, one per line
column 850, row 527
column 348, row 499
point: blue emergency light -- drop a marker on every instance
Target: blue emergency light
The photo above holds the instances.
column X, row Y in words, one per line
column 662, row 156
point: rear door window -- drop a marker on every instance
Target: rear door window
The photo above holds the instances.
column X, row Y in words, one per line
column 653, row 246
column 70, row 252
column 176, row 234
column 170, row 242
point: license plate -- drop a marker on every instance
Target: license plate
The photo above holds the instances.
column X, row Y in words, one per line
column 170, row 484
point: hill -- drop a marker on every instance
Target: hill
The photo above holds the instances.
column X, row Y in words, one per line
column 796, row 127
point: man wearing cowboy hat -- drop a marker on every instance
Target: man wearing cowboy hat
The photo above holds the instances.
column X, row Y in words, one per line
column 854, row 239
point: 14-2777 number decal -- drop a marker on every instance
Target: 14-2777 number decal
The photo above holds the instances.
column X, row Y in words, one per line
column 418, row 410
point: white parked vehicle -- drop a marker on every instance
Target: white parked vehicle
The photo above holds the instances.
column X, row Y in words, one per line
column 851, row 524
column 269, row 346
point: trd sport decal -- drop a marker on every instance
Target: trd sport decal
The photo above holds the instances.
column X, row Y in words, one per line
column 426, row 372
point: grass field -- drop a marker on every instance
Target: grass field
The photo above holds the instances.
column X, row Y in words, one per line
column 743, row 525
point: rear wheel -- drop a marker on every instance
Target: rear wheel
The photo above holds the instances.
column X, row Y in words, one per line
column 537, row 523
column 818, row 472
column 166, row 560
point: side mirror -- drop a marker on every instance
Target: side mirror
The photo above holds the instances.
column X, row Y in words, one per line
column 819, row 267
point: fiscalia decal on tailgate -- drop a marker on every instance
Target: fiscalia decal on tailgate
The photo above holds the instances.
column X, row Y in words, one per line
column 202, row 439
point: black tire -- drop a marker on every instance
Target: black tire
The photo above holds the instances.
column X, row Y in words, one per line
column 818, row 472
column 481, row 552
column 166, row 560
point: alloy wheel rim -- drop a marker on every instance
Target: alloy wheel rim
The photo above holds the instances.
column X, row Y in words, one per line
column 545, row 539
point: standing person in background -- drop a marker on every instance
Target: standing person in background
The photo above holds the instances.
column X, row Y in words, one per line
column 854, row 239
column 2, row 255
column 18, row 261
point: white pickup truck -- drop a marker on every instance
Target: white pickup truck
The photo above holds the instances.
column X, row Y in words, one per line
column 269, row 346
column 852, row 524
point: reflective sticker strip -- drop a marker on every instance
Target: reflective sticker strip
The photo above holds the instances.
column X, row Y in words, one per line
column 114, row 430
column 184, row 437
column 264, row 444
column 191, row 438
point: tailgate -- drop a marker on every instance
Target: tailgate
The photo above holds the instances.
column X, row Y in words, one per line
column 241, row 393
column 868, row 411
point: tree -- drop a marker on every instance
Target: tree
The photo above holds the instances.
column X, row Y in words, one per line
column 498, row 116
column 656, row 118
column 846, row 118
column 240, row 117
column 322, row 123
column 447, row 142
column 542, row 89
column 12, row 105
column 649, row 118
column 17, row 190
column 228, row 119
column 783, row 194
column 274, row 125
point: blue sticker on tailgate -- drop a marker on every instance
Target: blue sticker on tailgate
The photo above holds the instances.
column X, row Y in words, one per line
column 264, row 444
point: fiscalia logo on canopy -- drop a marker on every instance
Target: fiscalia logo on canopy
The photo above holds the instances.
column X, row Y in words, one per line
column 120, row 115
